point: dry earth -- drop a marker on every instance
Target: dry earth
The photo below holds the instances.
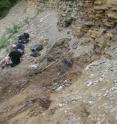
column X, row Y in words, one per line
column 44, row 90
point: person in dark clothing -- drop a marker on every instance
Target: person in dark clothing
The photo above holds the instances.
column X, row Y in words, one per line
column 26, row 35
column 24, row 38
column 15, row 56
column 20, row 47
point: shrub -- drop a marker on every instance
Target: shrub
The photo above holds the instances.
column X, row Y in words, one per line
column 5, row 5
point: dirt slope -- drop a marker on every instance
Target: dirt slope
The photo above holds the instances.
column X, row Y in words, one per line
column 46, row 89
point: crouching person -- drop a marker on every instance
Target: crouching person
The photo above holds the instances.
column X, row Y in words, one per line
column 15, row 56
column 20, row 47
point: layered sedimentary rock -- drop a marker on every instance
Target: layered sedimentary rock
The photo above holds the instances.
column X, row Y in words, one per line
column 88, row 12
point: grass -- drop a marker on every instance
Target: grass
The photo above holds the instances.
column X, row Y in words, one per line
column 9, row 36
column 14, row 29
column 4, row 41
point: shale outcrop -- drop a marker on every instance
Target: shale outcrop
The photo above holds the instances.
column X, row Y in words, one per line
column 88, row 12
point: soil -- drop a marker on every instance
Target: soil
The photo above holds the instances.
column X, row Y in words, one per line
column 69, row 83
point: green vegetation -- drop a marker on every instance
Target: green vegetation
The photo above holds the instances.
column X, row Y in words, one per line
column 3, row 41
column 5, row 5
column 9, row 36
column 14, row 29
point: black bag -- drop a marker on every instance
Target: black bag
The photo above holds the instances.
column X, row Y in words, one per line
column 37, row 47
column 35, row 50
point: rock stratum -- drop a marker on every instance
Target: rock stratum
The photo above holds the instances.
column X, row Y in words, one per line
column 89, row 12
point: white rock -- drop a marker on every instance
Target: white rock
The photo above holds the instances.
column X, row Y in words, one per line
column 60, row 105
column 59, row 88
column 33, row 66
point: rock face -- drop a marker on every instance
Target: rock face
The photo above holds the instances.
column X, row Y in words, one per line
column 74, row 79
column 88, row 12
column 92, row 21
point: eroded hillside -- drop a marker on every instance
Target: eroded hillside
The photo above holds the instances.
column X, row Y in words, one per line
column 74, row 80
